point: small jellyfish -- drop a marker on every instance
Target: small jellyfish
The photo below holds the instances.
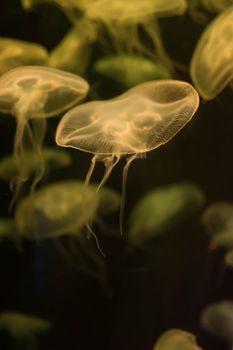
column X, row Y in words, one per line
column 163, row 208
column 131, row 70
column 32, row 94
column 217, row 319
column 138, row 121
column 73, row 53
column 176, row 339
column 212, row 60
column 15, row 53
column 23, row 328
column 53, row 158
column 62, row 208
column 218, row 222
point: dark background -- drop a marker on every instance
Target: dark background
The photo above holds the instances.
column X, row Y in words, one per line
column 148, row 290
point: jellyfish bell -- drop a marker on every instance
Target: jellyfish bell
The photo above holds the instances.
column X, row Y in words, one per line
column 212, row 60
column 138, row 121
column 32, row 94
column 176, row 339
column 15, row 53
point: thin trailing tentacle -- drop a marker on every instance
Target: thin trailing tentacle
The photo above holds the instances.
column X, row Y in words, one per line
column 90, row 171
column 124, row 182
column 109, row 162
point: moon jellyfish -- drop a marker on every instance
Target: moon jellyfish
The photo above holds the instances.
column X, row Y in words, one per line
column 53, row 158
column 130, row 70
column 23, row 328
column 218, row 222
column 163, row 208
column 138, row 121
column 61, row 208
column 33, row 94
column 217, row 319
column 176, row 339
column 15, row 53
column 73, row 53
column 212, row 60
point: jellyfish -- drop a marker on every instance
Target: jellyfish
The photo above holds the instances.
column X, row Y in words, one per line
column 62, row 208
column 163, row 208
column 53, row 158
column 15, row 53
column 23, row 328
column 176, row 339
column 123, row 21
column 130, row 125
column 32, row 94
column 131, row 70
column 212, row 60
column 218, row 222
column 73, row 53
column 217, row 319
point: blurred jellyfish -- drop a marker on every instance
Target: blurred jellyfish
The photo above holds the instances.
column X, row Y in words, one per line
column 62, row 208
column 73, row 53
column 212, row 60
column 32, row 94
column 176, row 339
column 140, row 120
column 217, row 319
column 130, row 70
column 15, row 53
column 53, row 158
column 123, row 21
column 23, row 328
column 218, row 222
column 163, row 208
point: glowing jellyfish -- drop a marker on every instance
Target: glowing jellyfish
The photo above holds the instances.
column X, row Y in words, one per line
column 138, row 121
column 73, row 53
column 23, row 328
column 123, row 21
column 163, row 208
column 53, row 158
column 32, row 94
column 218, row 222
column 176, row 339
column 217, row 319
column 15, row 53
column 212, row 61
column 130, row 70
column 62, row 208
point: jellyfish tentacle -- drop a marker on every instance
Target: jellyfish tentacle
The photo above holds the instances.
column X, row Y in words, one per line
column 110, row 162
column 38, row 133
column 124, row 182
column 90, row 170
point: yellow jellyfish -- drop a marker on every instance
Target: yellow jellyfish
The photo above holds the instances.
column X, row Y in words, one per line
column 32, row 94
column 62, row 208
column 212, row 60
column 73, row 53
column 176, row 339
column 53, row 158
column 218, row 222
column 23, row 328
column 140, row 120
column 130, row 70
column 217, row 319
column 163, row 208
column 15, row 53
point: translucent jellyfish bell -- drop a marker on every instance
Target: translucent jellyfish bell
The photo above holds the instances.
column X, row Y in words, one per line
column 212, row 61
column 217, row 319
column 218, row 222
column 176, row 339
column 140, row 120
column 15, row 53
column 32, row 94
